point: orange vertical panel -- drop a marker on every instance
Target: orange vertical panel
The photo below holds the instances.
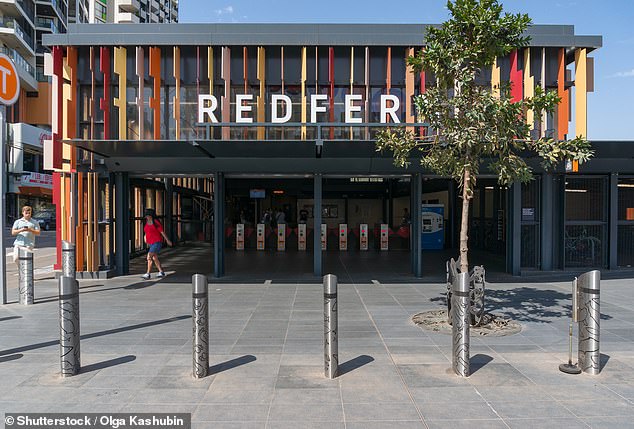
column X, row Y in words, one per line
column 562, row 92
column 225, row 75
column 155, row 100
column 409, row 90
column 79, row 242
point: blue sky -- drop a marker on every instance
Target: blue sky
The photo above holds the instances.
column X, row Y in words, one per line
column 610, row 107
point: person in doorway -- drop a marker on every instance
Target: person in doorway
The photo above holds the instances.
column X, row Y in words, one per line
column 280, row 217
column 303, row 216
column 25, row 229
column 154, row 236
column 405, row 221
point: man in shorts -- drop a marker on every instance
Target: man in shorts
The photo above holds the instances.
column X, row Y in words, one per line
column 154, row 235
column 24, row 230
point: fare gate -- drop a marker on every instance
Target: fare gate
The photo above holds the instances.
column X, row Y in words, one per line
column 301, row 236
column 240, row 236
column 384, row 237
column 363, row 236
column 260, row 236
column 343, row 236
column 281, row 237
column 324, row 236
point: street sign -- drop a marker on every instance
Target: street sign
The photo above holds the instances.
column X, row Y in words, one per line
column 9, row 81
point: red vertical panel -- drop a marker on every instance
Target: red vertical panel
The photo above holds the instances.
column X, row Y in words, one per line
column 104, row 102
column 515, row 78
column 155, row 100
column 331, row 90
column 57, row 200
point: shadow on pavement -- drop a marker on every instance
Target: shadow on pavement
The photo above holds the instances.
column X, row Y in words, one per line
column 355, row 363
column 478, row 361
column 4, row 319
column 107, row 363
column 10, row 358
column 230, row 364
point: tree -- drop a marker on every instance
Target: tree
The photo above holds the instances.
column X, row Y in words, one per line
column 470, row 123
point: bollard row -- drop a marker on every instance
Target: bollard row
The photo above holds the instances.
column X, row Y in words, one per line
column 331, row 341
column 200, row 316
column 69, row 332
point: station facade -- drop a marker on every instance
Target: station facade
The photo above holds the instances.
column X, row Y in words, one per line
column 229, row 131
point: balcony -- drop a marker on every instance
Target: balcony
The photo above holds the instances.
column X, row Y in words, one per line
column 10, row 30
column 129, row 5
column 55, row 5
column 127, row 18
column 47, row 24
column 24, row 8
column 25, row 69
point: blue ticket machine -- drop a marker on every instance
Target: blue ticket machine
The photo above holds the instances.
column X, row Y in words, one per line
column 433, row 226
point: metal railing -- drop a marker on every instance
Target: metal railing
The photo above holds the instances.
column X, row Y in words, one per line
column 48, row 23
column 18, row 59
column 12, row 23
column 28, row 6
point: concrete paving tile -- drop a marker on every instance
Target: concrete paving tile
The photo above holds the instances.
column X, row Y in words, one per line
column 380, row 411
column 600, row 407
column 370, row 393
column 387, row 424
column 303, row 377
column 223, row 396
column 467, row 424
column 315, row 397
column 449, row 410
column 550, row 423
column 623, row 390
column 250, row 383
column 323, row 412
column 229, row 425
column 305, row 424
column 441, row 395
column 431, row 375
column 231, row 413
column 498, row 374
column 608, row 422
column 521, row 409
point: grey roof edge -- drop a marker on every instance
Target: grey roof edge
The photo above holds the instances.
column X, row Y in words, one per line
column 284, row 34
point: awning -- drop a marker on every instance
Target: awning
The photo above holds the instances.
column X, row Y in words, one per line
column 35, row 191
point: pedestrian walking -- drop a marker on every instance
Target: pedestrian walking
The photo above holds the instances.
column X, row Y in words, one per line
column 154, row 236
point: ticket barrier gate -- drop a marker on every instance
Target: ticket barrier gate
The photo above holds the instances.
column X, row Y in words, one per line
column 363, row 236
column 343, row 236
column 281, row 237
column 324, row 236
column 240, row 236
column 301, row 236
column 260, row 236
column 384, row 237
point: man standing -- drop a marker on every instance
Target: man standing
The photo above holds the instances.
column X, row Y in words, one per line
column 26, row 229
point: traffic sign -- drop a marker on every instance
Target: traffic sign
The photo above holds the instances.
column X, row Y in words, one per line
column 9, row 81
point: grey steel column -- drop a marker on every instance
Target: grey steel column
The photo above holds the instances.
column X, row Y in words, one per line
column 546, row 222
column 68, row 259
column 122, row 223
column 167, row 209
column 514, row 229
column 614, row 221
column 219, row 230
column 588, row 287
column 3, row 202
column 460, row 325
column 331, row 341
column 69, row 334
column 201, row 325
column 317, row 260
column 25, row 281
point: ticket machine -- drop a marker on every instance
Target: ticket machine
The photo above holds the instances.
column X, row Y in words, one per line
column 281, row 237
column 363, row 236
column 240, row 236
column 384, row 237
column 260, row 236
column 343, row 236
column 301, row 236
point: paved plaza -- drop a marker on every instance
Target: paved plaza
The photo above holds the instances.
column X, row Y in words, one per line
column 267, row 370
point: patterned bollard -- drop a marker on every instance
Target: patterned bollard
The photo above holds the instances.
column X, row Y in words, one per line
column 69, row 351
column 460, row 324
column 68, row 259
column 588, row 289
column 201, row 325
column 331, row 342
column 25, row 271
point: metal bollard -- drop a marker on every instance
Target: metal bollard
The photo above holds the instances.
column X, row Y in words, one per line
column 69, row 351
column 460, row 324
column 331, row 342
column 201, row 325
column 588, row 289
column 25, row 271
column 68, row 259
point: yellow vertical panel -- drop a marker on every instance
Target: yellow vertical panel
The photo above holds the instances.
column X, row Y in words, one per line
column 409, row 90
column 121, row 102
column 260, row 99
column 210, row 69
column 581, row 92
column 225, row 98
column 177, row 96
column 303, row 85
column 529, row 86
column 140, row 99
column 495, row 79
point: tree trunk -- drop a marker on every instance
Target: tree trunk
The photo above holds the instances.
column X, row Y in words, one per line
column 464, row 222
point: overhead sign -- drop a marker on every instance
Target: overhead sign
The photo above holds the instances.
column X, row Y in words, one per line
column 9, row 81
